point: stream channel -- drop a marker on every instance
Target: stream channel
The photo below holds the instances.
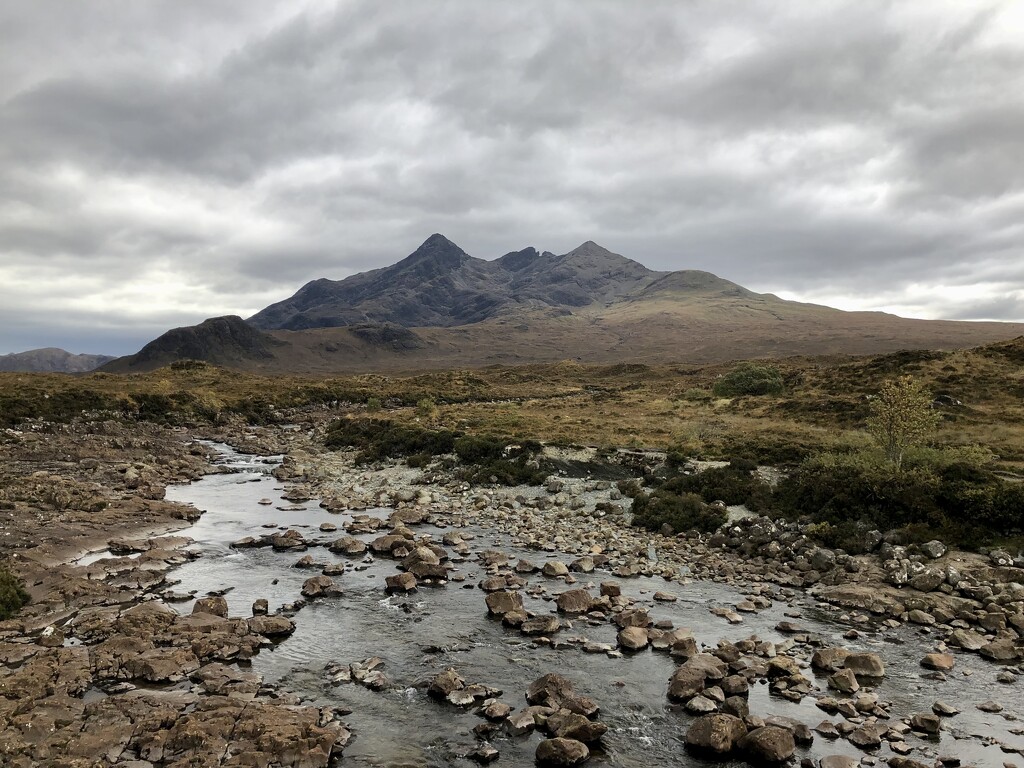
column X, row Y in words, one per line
column 424, row 633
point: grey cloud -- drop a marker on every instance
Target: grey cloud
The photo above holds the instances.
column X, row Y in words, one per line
column 825, row 148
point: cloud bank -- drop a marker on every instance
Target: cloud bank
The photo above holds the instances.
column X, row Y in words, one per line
column 164, row 162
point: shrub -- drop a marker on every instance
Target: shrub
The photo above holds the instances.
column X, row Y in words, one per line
column 12, row 594
column 426, row 408
column 373, row 404
column 682, row 512
column 733, row 484
column 750, row 379
column 383, row 439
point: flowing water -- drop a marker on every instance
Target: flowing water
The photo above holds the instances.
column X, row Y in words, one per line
column 436, row 628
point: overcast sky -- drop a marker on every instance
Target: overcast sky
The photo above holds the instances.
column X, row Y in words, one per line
column 164, row 162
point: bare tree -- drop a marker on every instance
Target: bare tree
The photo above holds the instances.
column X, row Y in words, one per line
column 901, row 416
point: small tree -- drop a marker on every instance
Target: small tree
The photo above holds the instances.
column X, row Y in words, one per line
column 901, row 416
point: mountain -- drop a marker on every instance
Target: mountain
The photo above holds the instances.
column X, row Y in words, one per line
column 227, row 341
column 51, row 360
column 439, row 307
column 440, row 285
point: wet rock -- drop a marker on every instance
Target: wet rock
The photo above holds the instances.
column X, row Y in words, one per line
column 541, row 625
column 940, row 661
column 715, row 735
column 633, row 638
column 483, row 754
column 1002, row 649
column 320, row 586
column 260, row 607
column 944, row 709
column 444, row 683
column 865, row 737
column 555, row 568
column 990, row 706
column 525, row 720
column 966, row 639
column 502, row 602
column 583, row 564
column 769, row 744
column 570, row 725
column 701, row 705
column 215, row 606
column 610, row 589
column 865, row 664
column 271, row 626
column 347, row 545
column 51, row 637
column 917, row 616
column 574, row 601
column 838, row 761
column 554, row 690
column 829, row 659
column 562, row 752
column 926, row 723
column 401, row 582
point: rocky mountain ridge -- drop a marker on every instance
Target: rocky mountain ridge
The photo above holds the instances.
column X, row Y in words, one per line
column 439, row 307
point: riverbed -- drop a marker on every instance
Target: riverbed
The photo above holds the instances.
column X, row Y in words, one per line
column 421, row 634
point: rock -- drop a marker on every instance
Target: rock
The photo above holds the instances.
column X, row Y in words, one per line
column 928, row 580
column 574, row 601
column 1000, row 557
column 715, row 735
column 570, row 725
column 541, row 625
column 940, row 661
column 920, row 617
column 933, row 549
column 271, row 626
column 260, row 607
column 583, row 564
column 51, row 637
column 610, row 589
column 444, row 683
column 966, row 639
column 944, row 709
column 838, row 761
column 926, row 723
column 484, row 754
column 501, row 602
column 990, row 706
column 215, row 606
column 665, row 597
column 320, row 586
column 1002, row 649
column 562, row 752
column 829, row 659
column 865, row 737
column 770, row 744
column 347, row 545
column 844, row 681
column 554, row 690
column 633, row 638
column 555, row 568
column 701, row 705
column 865, row 664
column 402, row 582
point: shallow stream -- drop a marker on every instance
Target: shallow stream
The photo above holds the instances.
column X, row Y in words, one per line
column 436, row 628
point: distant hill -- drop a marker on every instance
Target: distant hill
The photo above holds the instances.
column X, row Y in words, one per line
column 51, row 360
column 439, row 307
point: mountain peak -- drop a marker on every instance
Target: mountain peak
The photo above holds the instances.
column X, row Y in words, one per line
column 436, row 254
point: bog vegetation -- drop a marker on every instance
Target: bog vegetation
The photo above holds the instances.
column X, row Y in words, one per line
column 860, row 445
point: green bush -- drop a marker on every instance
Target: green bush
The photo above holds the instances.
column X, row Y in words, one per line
column 383, row 439
column 12, row 594
column 947, row 493
column 682, row 512
column 733, row 484
column 750, row 379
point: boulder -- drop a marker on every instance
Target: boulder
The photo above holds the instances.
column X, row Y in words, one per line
column 555, row 568
column 320, row 586
column 540, row 625
column 865, row 664
column 444, row 683
column 770, row 744
column 940, row 661
column 215, row 606
column 715, row 735
column 501, row 602
column 633, row 638
column 562, row 752
column 401, row 582
column 574, row 601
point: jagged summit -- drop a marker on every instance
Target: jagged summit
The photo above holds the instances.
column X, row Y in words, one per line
column 440, row 307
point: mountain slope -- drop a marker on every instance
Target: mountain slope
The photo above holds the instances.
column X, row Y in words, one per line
column 440, row 307
column 51, row 360
column 228, row 341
